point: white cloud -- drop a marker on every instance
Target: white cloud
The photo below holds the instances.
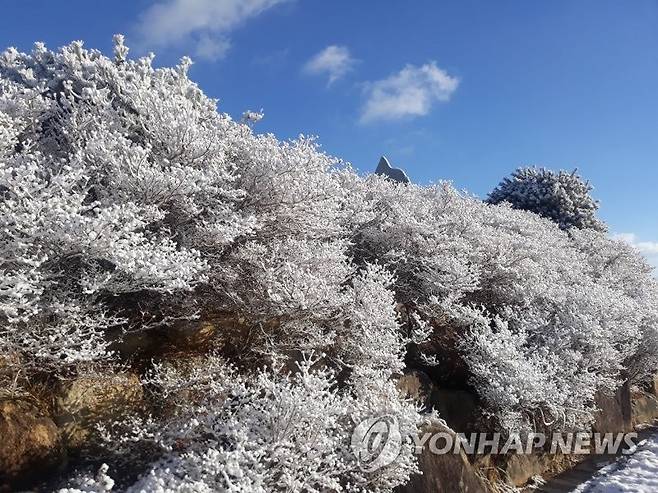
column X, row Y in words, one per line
column 334, row 61
column 211, row 48
column 647, row 248
column 409, row 93
column 202, row 25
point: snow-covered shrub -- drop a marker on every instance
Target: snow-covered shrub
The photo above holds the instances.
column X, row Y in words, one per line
column 127, row 200
column 114, row 180
column 121, row 180
column 625, row 274
column 543, row 320
column 268, row 432
column 562, row 197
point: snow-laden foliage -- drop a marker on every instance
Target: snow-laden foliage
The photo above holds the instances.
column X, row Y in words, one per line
column 115, row 180
column 128, row 202
column 543, row 318
column 271, row 432
column 562, row 197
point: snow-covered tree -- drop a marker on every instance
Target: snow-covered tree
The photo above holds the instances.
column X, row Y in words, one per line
column 114, row 179
column 562, row 197
column 129, row 201
column 543, row 318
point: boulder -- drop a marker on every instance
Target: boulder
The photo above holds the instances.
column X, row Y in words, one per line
column 444, row 473
column 30, row 444
column 615, row 411
column 644, row 408
column 85, row 401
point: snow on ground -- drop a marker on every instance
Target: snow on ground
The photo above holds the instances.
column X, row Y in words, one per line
column 637, row 473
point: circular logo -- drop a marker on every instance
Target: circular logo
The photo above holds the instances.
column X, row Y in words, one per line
column 376, row 442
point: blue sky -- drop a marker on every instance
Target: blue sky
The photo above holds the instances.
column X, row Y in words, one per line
column 460, row 90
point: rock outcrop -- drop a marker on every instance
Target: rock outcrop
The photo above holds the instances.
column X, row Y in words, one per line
column 644, row 408
column 384, row 168
column 444, row 473
column 82, row 403
column 615, row 412
column 30, row 443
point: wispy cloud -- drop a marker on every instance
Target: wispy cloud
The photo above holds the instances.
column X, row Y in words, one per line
column 275, row 59
column 409, row 93
column 204, row 26
column 647, row 248
column 334, row 61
